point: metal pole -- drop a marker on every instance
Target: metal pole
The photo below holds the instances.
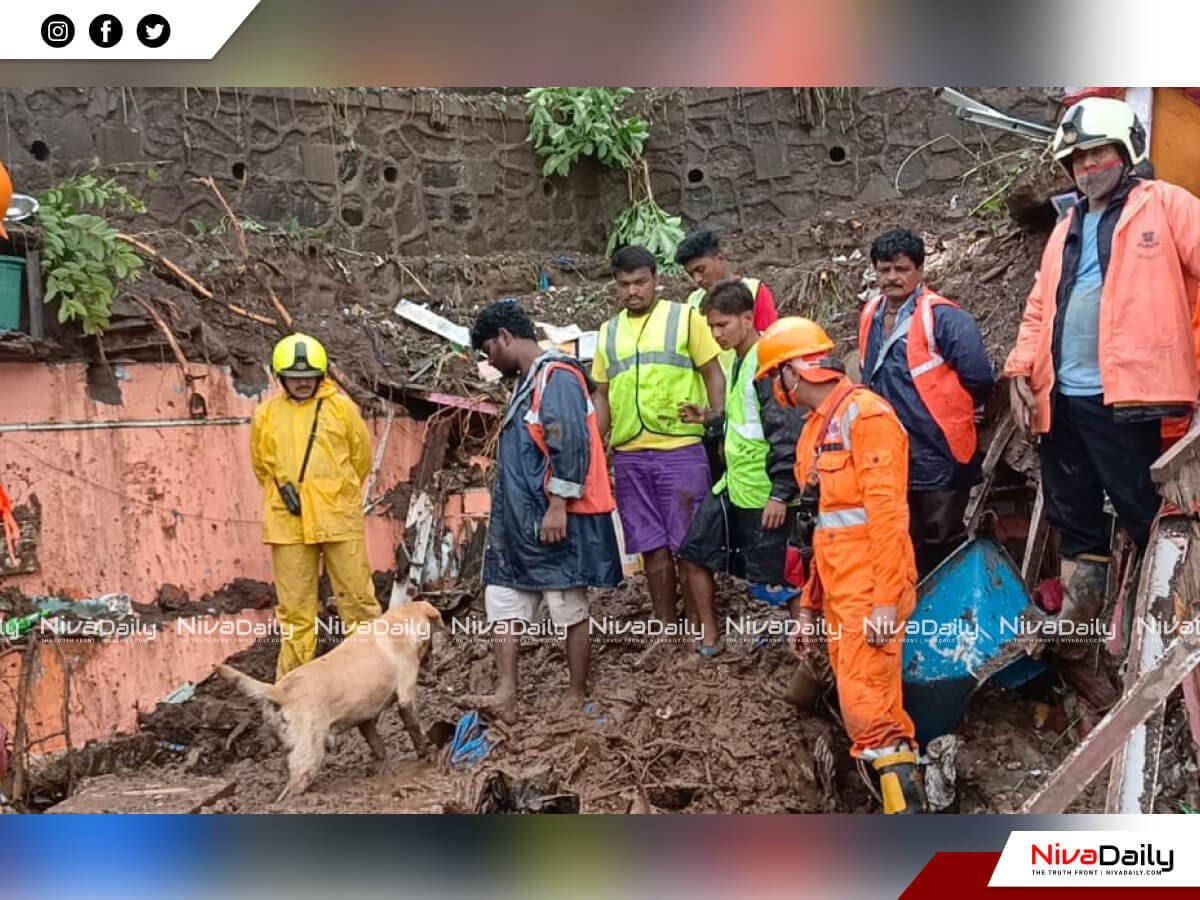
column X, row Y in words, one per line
column 129, row 423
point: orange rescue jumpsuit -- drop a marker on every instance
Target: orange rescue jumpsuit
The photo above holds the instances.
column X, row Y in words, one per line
column 863, row 556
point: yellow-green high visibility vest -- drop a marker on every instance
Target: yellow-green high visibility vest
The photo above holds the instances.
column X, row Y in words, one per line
column 696, row 297
column 746, row 446
column 650, row 372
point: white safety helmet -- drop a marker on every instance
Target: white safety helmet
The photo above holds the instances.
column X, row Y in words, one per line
column 1100, row 120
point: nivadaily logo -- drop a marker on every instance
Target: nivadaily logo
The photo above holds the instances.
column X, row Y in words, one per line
column 1145, row 856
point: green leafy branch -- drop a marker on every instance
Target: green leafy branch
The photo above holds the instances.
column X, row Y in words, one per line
column 566, row 124
column 82, row 259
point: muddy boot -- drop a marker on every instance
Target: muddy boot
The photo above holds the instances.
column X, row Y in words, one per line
column 1083, row 602
column 901, row 784
column 809, row 680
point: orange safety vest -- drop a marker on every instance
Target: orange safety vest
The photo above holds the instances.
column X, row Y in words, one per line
column 597, row 491
column 949, row 403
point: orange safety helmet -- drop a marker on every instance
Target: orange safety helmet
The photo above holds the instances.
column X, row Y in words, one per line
column 802, row 343
column 6, row 192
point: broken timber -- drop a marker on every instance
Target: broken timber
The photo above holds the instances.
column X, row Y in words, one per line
column 1177, row 474
column 109, row 794
column 1133, row 780
column 1086, row 761
column 423, row 517
column 995, row 451
column 1035, row 544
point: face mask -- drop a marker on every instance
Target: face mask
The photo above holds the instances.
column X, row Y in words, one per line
column 783, row 396
column 1097, row 182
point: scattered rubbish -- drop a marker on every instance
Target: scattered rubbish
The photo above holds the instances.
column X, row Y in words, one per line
column 174, row 748
column 421, row 315
column 1048, row 595
column 470, row 744
column 108, row 606
column 504, row 794
column 560, row 334
column 181, row 694
column 941, row 755
column 772, row 594
column 585, row 347
column 592, row 711
column 15, row 627
column 488, row 372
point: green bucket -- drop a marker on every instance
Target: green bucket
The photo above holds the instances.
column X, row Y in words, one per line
column 12, row 275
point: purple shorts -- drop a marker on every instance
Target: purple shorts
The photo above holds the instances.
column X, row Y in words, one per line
column 657, row 493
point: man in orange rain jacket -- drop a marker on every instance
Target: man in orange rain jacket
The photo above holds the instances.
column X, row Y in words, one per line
column 1107, row 348
column 852, row 458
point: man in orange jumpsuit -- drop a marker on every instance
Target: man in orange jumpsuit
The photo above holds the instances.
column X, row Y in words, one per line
column 852, row 466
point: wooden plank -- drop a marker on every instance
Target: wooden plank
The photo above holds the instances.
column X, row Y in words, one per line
column 33, row 293
column 1173, row 138
column 1177, row 472
column 994, row 454
column 1035, row 543
column 133, row 794
column 1133, row 779
column 1093, row 754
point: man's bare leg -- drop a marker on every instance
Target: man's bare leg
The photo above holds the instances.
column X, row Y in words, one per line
column 701, row 589
column 660, row 581
column 503, row 702
column 579, row 654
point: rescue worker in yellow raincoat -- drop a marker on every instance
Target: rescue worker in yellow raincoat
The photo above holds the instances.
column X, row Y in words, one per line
column 852, row 468
column 312, row 453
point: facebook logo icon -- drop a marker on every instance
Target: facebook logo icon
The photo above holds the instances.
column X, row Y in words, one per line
column 106, row 30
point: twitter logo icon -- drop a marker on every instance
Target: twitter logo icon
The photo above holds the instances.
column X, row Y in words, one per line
column 153, row 30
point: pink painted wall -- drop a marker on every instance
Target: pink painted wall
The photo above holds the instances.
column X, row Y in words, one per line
column 131, row 509
column 112, row 680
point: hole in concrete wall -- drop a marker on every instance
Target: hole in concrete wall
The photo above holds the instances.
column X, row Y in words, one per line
column 837, row 154
column 40, row 150
column 548, row 189
column 239, row 170
column 695, row 176
column 352, row 215
column 390, row 174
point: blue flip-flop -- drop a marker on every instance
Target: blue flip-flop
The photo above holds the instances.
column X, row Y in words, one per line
column 470, row 743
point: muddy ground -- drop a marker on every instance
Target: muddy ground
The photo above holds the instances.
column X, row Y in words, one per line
column 664, row 731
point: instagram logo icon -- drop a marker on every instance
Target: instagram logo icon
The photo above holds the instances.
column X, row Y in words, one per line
column 58, row 30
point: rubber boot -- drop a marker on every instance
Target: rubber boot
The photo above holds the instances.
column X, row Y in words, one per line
column 1083, row 602
column 901, row 784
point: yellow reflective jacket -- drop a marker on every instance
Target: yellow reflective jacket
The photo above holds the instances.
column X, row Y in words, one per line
column 331, row 493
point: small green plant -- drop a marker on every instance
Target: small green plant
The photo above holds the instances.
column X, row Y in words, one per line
column 566, row 123
column 648, row 224
column 83, row 261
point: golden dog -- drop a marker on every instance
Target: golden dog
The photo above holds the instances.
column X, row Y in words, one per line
column 349, row 686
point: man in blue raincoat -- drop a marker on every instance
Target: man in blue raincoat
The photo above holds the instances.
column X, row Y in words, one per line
column 551, row 534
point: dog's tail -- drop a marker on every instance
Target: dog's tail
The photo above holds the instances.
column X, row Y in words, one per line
column 251, row 687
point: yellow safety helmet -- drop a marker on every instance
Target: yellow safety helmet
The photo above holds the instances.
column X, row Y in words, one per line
column 299, row 356
column 801, row 342
column 1095, row 121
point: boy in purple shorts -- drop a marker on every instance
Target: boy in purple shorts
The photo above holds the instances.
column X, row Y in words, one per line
column 652, row 359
